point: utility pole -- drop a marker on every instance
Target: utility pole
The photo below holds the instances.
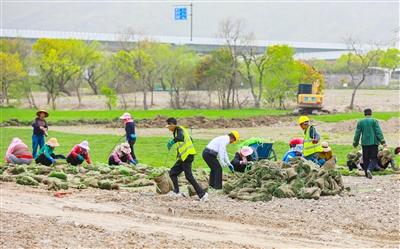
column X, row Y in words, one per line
column 181, row 14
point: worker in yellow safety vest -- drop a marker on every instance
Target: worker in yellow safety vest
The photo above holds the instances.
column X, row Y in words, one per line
column 185, row 154
column 311, row 144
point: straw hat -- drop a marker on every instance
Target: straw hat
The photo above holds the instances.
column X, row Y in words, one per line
column 125, row 116
column 124, row 147
column 53, row 142
column 85, row 145
column 246, row 151
column 46, row 114
column 325, row 147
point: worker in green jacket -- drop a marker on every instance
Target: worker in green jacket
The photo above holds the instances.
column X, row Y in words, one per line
column 372, row 136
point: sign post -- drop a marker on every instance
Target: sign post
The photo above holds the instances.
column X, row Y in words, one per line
column 181, row 14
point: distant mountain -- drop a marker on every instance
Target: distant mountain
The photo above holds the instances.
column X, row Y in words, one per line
column 301, row 21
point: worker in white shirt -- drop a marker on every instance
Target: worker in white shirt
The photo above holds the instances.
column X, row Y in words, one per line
column 217, row 147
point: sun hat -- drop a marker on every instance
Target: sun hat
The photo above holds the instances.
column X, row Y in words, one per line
column 246, row 151
column 46, row 114
column 124, row 147
column 85, row 145
column 53, row 142
column 298, row 148
column 325, row 147
column 125, row 116
column 296, row 141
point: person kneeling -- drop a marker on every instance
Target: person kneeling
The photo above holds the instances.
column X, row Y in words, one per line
column 293, row 152
column 18, row 153
column 46, row 154
column 326, row 154
column 121, row 154
column 79, row 153
column 242, row 159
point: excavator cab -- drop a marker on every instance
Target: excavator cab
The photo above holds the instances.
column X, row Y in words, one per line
column 309, row 99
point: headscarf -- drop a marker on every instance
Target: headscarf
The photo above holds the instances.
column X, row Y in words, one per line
column 16, row 141
column 122, row 149
column 127, row 120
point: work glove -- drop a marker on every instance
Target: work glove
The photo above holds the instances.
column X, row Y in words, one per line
column 170, row 143
column 133, row 162
column 80, row 157
column 133, row 135
column 223, row 164
column 314, row 141
column 118, row 162
column 231, row 168
column 52, row 160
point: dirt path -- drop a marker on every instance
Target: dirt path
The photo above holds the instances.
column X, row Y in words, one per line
column 33, row 217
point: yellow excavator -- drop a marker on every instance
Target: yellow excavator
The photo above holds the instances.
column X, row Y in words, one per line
column 309, row 99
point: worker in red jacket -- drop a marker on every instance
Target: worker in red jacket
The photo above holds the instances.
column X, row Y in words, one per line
column 79, row 153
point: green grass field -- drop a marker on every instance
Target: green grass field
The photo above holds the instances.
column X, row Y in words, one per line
column 152, row 150
column 27, row 114
column 149, row 150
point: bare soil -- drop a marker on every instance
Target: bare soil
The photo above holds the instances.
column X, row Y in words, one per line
column 32, row 217
column 339, row 100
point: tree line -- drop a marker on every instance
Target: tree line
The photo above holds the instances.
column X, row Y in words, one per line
column 145, row 65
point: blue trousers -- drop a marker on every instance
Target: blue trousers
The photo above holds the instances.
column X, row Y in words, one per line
column 313, row 157
column 37, row 140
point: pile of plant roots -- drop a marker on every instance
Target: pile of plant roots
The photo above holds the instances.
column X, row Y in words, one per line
column 299, row 178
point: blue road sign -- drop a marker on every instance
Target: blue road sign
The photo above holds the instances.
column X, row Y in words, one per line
column 180, row 14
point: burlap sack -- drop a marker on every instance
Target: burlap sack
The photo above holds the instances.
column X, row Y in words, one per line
column 291, row 173
column 310, row 193
column 354, row 156
column 164, row 183
column 319, row 183
column 330, row 164
column 284, row 191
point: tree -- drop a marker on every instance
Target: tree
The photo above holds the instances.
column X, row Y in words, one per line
column 237, row 43
column 281, row 76
column 11, row 71
column 390, row 59
column 92, row 62
column 181, row 76
column 359, row 58
column 55, row 64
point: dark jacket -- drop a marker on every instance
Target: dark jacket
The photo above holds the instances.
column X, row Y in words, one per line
column 371, row 132
column 236, row 162
column 130, row 130
column 37, row 122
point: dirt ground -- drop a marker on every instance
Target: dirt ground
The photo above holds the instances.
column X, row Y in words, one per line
column 378, row 100
column 32, row 217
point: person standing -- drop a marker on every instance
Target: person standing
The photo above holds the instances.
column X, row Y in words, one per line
column 130, row 133
column 185, row 154
column 217, row 147
column 311, row 143
column 40, row 128
column 18, row 153
column 371, row 136
column 79, row 153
